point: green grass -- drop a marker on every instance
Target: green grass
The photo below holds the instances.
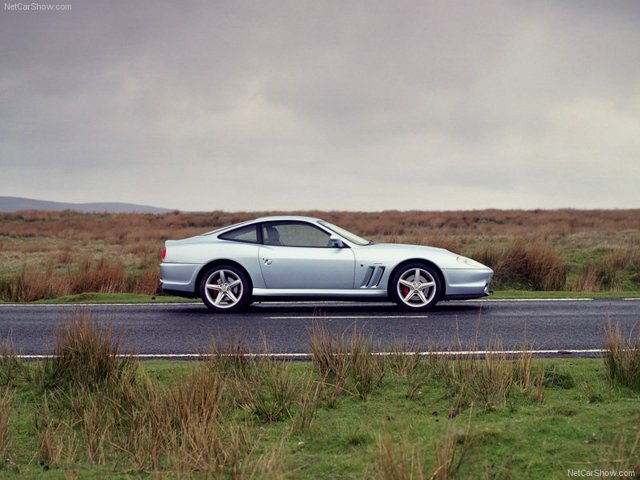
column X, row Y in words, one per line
column 500, row 295
column 113, row 298
column 586, row 424
column 527, row 294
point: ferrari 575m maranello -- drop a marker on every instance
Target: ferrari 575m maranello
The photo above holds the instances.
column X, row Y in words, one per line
column 295, row 258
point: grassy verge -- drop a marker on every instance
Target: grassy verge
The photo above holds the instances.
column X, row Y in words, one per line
column 98, row 298
column 524, row 294
column 499, row 295
column 346, row 414
column 114, row 298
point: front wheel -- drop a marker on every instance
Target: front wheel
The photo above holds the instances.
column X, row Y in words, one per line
column 416, row 286
column 224, row 288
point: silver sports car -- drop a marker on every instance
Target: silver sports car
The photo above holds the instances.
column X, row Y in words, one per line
column 294, row 258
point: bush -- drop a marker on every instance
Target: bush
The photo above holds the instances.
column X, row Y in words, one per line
column 622, row 358
column 85, row 355
column 522, row 265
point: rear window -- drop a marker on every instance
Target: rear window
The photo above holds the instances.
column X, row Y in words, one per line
column 248, row 234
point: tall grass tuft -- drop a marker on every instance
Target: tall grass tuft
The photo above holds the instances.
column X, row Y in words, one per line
column 85, row 355
column 622, row 357
column 55, row 439
column 450, row 453
column 33, row 284
column 260, row 384
column 367, row 369
column 605, row 273
column 346, row 365
column 328, row 353
column 330, row 360
column 6, row 441
column 398, row 460
column 486, row 379
column 10, row 367
column 532, row 266
column 623, row 455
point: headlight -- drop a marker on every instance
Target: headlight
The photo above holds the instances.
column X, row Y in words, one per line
column 469, row 262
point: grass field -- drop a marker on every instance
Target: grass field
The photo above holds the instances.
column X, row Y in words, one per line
column 346, row 415
column 54, row 254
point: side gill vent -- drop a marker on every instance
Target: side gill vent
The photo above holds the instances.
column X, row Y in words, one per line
column 367, row 277
column 372, row 277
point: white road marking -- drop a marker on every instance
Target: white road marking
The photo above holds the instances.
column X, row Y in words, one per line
column 491, row 300
column 341, row 317
column 464, row 353
column 293, row 303
column 61, row 305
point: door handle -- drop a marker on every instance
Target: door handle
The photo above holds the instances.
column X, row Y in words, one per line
column 267, row 261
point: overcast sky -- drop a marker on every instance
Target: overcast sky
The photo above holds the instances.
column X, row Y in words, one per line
column 363, row 105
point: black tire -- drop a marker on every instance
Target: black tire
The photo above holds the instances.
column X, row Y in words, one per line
column 416, row 294
column 225, row 288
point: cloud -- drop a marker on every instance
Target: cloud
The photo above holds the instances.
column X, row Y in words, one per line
column 327, row 105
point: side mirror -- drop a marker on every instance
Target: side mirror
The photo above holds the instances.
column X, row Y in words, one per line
column 336, row 242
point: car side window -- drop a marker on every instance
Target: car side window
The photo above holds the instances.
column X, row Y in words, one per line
column 247, row 234
column 294, row 234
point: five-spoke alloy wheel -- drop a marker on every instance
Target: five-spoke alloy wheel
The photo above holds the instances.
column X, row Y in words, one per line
column 416, row 286
column 224, row 288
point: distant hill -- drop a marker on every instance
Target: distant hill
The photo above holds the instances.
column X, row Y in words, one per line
column 15, row 204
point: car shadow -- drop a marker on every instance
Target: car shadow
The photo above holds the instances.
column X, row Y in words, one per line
column 355, row 308
column 329, row 308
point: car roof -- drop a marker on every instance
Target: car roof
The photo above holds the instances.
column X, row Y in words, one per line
column 280, row 218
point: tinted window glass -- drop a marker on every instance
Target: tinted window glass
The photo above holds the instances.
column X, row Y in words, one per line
column 294, row 235
column 243, row 234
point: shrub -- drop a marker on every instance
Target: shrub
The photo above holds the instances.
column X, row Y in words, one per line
column 622, row 357
column 85, row 355
column 6, row 400
column 10, row 366
column 533, row 266
column 605, row 273
column 346, row 365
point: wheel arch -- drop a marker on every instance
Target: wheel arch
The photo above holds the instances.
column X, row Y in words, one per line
column 221, row 261
column 424, row 261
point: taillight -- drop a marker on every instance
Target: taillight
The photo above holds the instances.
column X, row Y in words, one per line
column 164, row 252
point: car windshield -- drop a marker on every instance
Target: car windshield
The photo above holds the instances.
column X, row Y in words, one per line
column 347, row 235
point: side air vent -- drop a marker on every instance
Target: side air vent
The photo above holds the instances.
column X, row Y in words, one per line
column 367, row 277
column 372, row 277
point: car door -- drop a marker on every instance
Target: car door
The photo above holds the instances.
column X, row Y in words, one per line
column 300, row 256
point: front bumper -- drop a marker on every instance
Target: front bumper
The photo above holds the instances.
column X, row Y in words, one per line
column 467, row 283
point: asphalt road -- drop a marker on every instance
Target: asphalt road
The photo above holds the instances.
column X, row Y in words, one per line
column 552, row 327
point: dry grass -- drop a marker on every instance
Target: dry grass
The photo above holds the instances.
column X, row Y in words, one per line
column 209, row 422
column 10, row 367
column 622, row 357
column 86, row 355
column 525, row 265
column 623, row 455
column 345, row 361
column 397, row 460
column 6, row 441
column 606, row 273
column 486, row 380
column 49, row 254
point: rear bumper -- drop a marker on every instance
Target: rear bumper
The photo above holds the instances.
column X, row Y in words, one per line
column 177, row 293
column 179, row 278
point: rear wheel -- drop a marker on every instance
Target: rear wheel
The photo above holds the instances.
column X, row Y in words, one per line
column 224, row 288
column 416, row 286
